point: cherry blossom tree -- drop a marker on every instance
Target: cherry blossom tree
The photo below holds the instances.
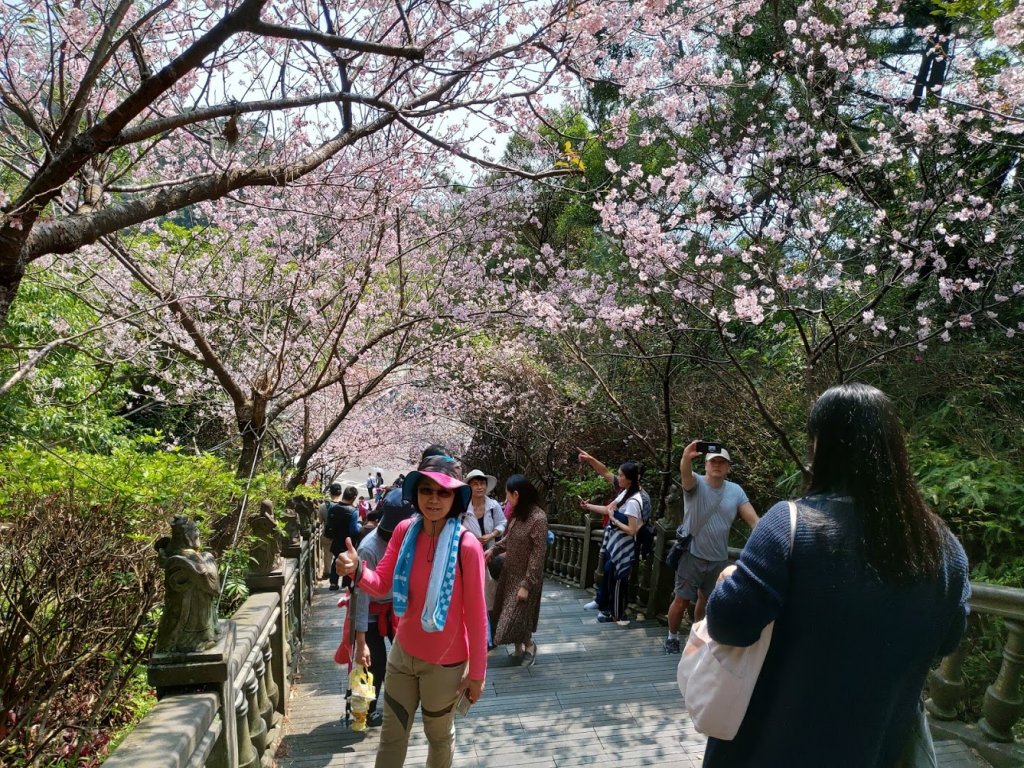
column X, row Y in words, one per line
column 285, row 312
column 842, row 188
column 121, row 112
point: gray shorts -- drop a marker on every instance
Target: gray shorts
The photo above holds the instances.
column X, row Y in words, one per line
column 693, row 573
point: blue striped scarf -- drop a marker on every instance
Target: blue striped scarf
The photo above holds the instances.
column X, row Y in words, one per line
column 442, row 574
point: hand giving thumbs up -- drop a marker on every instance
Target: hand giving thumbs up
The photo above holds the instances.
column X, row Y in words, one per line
column 348, row 560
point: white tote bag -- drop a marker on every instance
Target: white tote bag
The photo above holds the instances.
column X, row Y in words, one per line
column 717, row 680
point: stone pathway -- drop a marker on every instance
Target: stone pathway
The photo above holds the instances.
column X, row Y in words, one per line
column 599, row 695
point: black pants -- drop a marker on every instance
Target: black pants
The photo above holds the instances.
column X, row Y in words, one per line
column 378, row 656
column 613, row 593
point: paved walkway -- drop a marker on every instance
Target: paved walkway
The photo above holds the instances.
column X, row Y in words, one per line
column 599, row 695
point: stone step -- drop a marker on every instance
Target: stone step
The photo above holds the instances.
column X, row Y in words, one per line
column 956, row 754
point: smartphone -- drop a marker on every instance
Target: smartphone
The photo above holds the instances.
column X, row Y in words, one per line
column 462, row 704
column 703, row 447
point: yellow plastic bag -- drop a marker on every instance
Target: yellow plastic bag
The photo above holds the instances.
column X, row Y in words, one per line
column 361, row 692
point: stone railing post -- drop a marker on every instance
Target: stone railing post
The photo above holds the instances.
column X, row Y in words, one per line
column 591, row 560
column 946, row 686
column 658, row 571
column 576, row 548
column 309, row 572
column 270, row 717
column 257, row 726
column 276, row 702
column 203, row 670
column 1003, row 705
column 247, row 757
column 277, row 648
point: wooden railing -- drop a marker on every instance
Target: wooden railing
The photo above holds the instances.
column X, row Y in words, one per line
column 223, row 708
column 574, row 558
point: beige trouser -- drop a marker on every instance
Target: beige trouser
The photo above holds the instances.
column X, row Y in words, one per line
column 412, row 682
column 326, row 556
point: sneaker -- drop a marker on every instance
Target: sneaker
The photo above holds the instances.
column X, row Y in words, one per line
column 375, row 719
column 605, row 618
column 333, row 588
column 591, row 606
column 672, row 645
column 623, row 622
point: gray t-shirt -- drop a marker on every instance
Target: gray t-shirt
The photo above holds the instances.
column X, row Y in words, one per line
column 711, row 513
column 371, row 549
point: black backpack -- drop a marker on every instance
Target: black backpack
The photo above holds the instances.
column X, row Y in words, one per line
column 339, row 521
column 645, row 534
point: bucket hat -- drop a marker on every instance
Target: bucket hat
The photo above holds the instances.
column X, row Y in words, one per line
column 444, row 471
column 476, row 474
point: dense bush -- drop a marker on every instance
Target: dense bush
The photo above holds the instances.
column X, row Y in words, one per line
column 80, row 587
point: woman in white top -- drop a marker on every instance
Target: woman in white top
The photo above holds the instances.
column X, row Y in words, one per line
column 625, row 515
column 484, row 517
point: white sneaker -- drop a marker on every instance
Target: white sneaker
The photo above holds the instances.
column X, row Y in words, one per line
column 591, row 606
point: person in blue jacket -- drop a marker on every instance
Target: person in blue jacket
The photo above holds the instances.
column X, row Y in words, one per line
column 873, row 591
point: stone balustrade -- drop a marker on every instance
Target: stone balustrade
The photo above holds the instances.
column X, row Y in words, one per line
column 224, row 707
column 574, row 558
column 1002, row 706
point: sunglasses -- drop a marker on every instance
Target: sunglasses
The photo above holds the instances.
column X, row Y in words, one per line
column 441, row 493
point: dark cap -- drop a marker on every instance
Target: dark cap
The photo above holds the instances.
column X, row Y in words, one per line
column 393, row 510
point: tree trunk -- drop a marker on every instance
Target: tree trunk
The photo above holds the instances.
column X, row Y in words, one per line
column 12, row 269
column 252, row 426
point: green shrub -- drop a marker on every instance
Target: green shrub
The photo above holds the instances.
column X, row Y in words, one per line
column 80, row 587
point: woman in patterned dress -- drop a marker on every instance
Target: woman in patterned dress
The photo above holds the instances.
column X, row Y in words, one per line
column 517, row 602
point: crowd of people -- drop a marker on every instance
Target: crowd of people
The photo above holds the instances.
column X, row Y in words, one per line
column 446, row 573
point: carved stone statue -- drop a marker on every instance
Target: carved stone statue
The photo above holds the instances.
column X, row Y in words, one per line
column 189, row 621
column 292, row 530
column 306, row 510
column 673, row 506
column 266, row 549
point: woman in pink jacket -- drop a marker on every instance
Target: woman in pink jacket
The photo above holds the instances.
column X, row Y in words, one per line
column 437, row 576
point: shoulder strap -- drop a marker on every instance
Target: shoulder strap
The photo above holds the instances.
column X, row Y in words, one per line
column 464, row 532
column 712, row 514
column 792, row 525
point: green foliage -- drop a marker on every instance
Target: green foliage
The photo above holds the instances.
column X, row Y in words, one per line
column 73, row 396
column 138, row 484
column 980, row 497
column 233, row 564
column 131, row 706
column 977, row 12
column 105, row 509
column 569, row 491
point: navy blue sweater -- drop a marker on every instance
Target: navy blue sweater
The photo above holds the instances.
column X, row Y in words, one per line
column 849, row 653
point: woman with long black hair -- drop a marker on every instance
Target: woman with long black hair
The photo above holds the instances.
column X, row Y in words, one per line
column 618, row 545
column 517, row 600
column 872, row 590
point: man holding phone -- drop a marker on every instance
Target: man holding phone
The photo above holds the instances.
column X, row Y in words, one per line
column 710, row 506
